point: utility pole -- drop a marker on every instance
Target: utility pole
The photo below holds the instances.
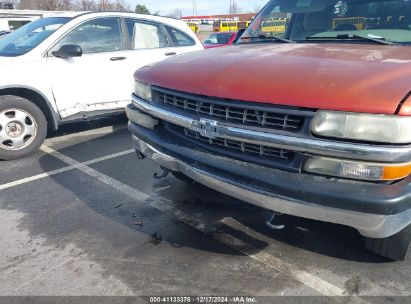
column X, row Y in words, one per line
column 194, row 8
column 231, row 7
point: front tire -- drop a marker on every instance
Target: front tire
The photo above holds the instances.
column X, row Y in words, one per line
column 23, row 127
column 396, row 247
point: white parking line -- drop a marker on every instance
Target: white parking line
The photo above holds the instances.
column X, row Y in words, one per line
column 62, row 170
column 41, row 275
column 307, row 279
column 282, row 266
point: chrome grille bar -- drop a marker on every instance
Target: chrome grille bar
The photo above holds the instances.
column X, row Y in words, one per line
column 233, row 114
column 241, row 146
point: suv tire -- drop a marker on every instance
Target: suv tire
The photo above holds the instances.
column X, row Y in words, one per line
column 23, row 127
column 395, row 247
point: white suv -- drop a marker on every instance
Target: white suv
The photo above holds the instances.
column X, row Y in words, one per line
column 74, row 66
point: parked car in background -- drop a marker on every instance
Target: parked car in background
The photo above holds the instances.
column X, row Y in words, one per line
column 313, row 121
column 74, row 66
column 219, row 39
column 13, row 23
column 7, row 5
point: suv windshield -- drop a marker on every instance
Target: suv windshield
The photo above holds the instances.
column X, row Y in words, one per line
column 30, row 36
column 363, row 21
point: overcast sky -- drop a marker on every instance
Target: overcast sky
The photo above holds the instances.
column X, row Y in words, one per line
column 204, row 7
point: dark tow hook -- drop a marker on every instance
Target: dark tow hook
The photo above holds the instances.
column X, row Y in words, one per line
column 164, row 174
column 272, row 221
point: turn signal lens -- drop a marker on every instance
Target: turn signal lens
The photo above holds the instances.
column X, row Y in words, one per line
column 357, row 170
column 397, row 172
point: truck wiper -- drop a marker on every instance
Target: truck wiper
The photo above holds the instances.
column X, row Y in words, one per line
column 267, row 38
column 376, row 39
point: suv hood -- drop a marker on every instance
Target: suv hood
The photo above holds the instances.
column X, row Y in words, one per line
column 344, row 77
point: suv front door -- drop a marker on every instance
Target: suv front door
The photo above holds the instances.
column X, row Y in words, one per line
column 91, row 82
column 147, row 43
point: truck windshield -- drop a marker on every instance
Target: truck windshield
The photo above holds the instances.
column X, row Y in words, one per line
column 30, row 36
column 353, row 21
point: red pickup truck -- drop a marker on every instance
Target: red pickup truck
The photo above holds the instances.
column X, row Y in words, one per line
column 309, row 114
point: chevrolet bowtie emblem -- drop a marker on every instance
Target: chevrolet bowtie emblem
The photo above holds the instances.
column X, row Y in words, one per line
column 209, row 128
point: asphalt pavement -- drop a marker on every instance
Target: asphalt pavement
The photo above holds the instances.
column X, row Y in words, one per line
column 85, row 217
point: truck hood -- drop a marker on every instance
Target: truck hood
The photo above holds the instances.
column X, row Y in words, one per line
column 350, row 77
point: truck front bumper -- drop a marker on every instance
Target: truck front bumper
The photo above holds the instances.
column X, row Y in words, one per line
column 375, row 210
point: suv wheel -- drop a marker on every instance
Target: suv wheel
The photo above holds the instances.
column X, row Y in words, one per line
column 395, row 247
column 23, row 127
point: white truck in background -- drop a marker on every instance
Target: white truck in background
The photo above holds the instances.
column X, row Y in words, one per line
column 13, row 23
column 12, row 19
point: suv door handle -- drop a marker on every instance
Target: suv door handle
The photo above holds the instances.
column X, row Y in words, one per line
column 171, row 54
column 117, row 58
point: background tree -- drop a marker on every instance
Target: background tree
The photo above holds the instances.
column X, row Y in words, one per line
column 121, row 6
column 79, row 5
column 59, row 5
column 29, row 4
column 86, row 5
column 66, row 5
column 105, row 5
column 50, row 5
column 142, row 9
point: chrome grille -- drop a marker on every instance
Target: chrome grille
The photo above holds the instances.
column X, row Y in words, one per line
column 241, row 146
column 234, row 114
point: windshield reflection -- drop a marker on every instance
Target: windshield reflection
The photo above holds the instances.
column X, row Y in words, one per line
column 297, row 20
column 30, row 36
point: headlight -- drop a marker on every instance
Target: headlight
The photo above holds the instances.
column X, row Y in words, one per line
column 357, row 170
column 142, row 90
column 364, row 127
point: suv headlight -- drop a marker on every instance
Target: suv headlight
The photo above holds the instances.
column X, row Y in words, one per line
column 363, row 127
column 142, row 90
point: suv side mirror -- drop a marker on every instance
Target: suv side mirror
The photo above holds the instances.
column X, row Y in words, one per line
column 68, row 51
